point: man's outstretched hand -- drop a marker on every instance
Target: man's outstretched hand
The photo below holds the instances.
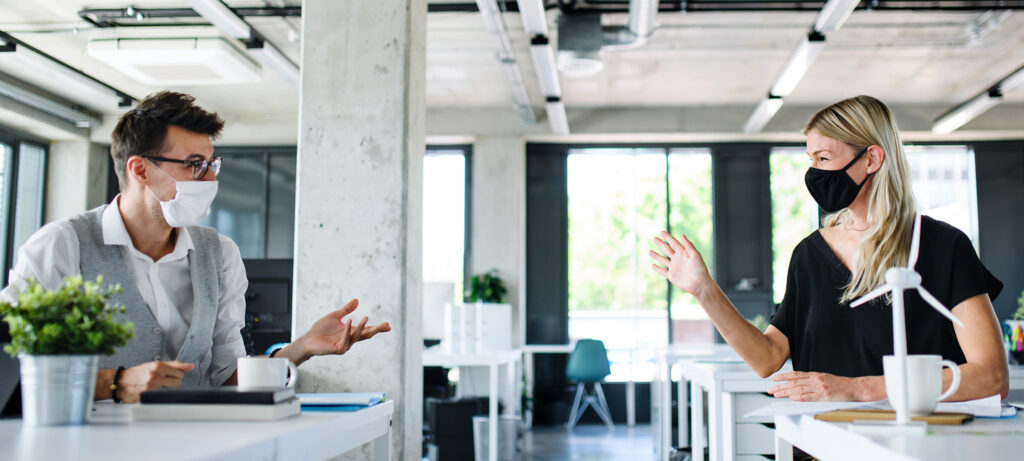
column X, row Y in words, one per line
column 332, row 334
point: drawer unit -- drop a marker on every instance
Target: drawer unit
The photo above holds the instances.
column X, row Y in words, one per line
column 754, row 439
column 746, row 402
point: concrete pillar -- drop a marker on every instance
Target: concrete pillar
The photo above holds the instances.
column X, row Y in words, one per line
column 499, row 218
column 76, row 178
column 359, row 196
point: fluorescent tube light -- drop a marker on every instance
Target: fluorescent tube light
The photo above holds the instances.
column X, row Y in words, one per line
column 532, row 14
column 272, row 57
column 69, row 83
column 799, row 62
column 547, row 70
column 1012, row 81
column 834, row 14
column 556, row 117
column 764, row 112
column 966, row 112
column 220, row 15
column 47, row 105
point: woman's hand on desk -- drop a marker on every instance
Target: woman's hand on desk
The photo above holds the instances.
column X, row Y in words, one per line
column 680, row 263
column 823, row 387
column 332, row 334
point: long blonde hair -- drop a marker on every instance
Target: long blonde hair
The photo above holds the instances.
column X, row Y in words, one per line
column 860, row 122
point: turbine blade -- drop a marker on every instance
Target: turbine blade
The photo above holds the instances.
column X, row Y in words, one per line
column 915, row 242
column 938, row 306
column 872, row 295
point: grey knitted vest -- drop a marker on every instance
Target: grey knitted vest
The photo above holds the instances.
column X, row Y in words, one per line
column 204, row 264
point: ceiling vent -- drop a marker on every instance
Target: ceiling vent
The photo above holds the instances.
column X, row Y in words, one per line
column 581, row 37
column 177, row 61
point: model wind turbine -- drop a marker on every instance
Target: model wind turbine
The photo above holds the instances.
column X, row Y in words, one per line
column 898, row 279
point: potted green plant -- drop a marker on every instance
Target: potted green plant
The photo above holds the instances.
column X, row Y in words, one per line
column 58, row 336
column 488, row 320
column 486, row 288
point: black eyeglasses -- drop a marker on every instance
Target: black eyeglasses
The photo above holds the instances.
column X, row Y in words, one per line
column 199, row 167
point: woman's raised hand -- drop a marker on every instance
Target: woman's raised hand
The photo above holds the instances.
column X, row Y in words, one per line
column 680, row 263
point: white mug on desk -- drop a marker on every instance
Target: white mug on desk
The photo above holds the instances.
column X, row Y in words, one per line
column 266, row 373
column 924, row 379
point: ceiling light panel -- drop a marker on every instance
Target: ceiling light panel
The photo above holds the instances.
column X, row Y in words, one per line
column 177, row 61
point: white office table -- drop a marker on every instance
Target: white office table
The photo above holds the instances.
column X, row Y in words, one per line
column 436, row 357
column 661, row 391
column 112, row 437
column 989, row 439
column 733, row 391
column 528, row 352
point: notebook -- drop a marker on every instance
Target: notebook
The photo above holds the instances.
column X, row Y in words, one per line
column 216, row 395
column 345, row 401
column 216, row 411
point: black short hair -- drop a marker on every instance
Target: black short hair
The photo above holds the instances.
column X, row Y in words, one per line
column 143, row 130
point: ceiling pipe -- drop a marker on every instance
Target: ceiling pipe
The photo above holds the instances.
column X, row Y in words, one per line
column 642, row 23
column 495, row 26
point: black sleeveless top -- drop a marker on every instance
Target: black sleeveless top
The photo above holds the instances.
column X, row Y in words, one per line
column 830, row 337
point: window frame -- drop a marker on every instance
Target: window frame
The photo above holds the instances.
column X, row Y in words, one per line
column 15, row 140
column 467, row 153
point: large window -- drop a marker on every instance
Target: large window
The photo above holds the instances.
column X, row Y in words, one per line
column 255, row 204
column 618, row 200
column 23, row 175
column 943, row 180
column 945, row 185
column 444, row 225
column 794, row 213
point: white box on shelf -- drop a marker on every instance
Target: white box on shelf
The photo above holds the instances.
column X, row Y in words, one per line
column 493, row 327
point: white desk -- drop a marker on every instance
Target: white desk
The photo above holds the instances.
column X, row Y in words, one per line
column 661, row 391
column 112, row 437
column 435, row 357
column 528, row 352
column 989, row 439
column 733, row 391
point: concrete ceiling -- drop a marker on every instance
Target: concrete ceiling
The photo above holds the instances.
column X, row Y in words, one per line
column 694, row 59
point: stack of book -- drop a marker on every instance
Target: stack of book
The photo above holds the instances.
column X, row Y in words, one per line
column 216, row 404
column 348, row 401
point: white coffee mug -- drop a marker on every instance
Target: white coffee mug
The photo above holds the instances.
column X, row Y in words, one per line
column 266, row 373
column 924, row 376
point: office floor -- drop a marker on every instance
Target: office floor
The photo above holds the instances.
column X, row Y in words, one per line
column 588, row 442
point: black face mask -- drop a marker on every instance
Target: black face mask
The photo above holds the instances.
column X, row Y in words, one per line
column 834, row 189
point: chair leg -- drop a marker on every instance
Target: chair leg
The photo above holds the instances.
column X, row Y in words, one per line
column 602, row 407
column 575, row 407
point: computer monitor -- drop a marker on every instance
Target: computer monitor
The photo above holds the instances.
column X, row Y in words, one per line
column 268, row 303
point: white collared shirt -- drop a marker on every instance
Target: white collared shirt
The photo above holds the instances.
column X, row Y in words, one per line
column 52, row 253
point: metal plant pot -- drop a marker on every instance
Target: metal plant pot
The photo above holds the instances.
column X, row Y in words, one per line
column 57, row 389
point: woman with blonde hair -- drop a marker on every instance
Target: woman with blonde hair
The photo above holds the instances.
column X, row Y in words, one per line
column 859, row 174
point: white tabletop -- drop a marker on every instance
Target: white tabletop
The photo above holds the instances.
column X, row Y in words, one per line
column 437, row 357
column 549, row 348
column 677, row 352
column 112, row 437
column 989, row 439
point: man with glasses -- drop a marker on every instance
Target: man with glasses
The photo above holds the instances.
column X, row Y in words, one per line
column 184, row 284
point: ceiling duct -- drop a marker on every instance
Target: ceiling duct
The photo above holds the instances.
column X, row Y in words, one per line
column 581, row 37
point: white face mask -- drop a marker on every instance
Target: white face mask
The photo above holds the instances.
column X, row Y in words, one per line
column 191, row 203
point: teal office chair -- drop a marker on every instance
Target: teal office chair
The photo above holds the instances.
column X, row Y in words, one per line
column 588, row 364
